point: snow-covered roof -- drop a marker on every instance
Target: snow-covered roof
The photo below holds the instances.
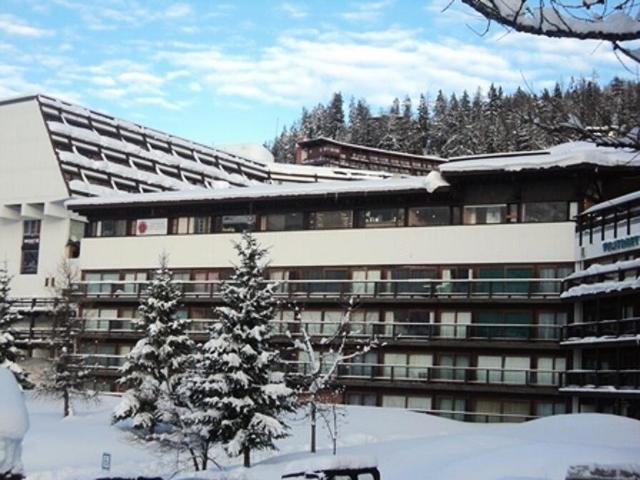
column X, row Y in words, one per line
column 429, row 184
column 14, row 420
column 587, row 289
column 629, row 197
column 252, row 151
column 427, row 158
column 598, row 269
column 570, row 154
column 336, row 462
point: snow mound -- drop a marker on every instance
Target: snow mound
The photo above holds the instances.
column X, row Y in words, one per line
column 14, row 420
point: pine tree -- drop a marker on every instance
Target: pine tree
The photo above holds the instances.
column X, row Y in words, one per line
column 423, row 123
column 67, row 375
column 334, row 118
column 252, row 395
column 157, row 364
column 9, row 353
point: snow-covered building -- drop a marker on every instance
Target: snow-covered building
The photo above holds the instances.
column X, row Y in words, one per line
column 458, row 272
column 324, row 151
column 51, row 150
column 604, row 337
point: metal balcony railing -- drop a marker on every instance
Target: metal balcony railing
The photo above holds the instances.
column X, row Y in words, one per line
column 436, row 374
column 389, row 331
column 604, row 380
column 499, row 288
column 393, row 373
column 618, row 328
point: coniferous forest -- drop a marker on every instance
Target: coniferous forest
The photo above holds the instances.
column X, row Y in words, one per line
column 466, row 123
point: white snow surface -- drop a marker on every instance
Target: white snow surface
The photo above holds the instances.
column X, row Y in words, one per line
column 629, row 197
column 601, row 287
column 252, row 151
column 14, row 421
column 599, row 269
column 407, row 445
column 428, row 183
column 561, row 156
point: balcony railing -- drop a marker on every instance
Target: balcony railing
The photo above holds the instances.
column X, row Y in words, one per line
column 603, row 380
column 499, row 288
column 612, row 329
column 398, row 331
column 437, row 374
column 393, row 373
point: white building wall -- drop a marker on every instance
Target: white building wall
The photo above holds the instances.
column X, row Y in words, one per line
column 31, row 187
column 472, row 244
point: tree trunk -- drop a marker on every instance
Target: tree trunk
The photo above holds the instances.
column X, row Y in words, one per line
column 313, row 426
column 247, row 457
column 65, row 398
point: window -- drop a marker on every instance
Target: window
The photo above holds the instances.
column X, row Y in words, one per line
column 30, row 247
column 450, row 407
column 548, row 368
column 544, row 409
column 237, row 223
column 502, row 369
column 331, row 219
column 502, row 324
column 283, row 221
column 410, row 323
column 407, row 366
column 381, row 217
column 100, row 283
column 481, row 214
column 112, row 228
column 401, row 401
column 549, row 324
column 499, row 410
column 454, row 324
column 367, row 399
column 545, row 212
column 453, row 367
column 429, row 216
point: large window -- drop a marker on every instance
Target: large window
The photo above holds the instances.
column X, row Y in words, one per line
column 407, row 366
column 283, row 221
column 30, row 247
column 429, row 216
column 454, row 324
column 237, row 223
column 381, row 217
column 331, row 219
column 480, row 214
column 453, row 367
column 186, row 225
column 545, row 212
column 503, row 325
column 113, row 228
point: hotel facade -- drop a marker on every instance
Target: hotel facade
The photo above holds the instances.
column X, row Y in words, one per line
column 459, row 272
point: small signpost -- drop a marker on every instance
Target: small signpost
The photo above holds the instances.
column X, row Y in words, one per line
column 106, row 461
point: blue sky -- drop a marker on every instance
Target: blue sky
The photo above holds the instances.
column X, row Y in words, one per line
column 236, row 71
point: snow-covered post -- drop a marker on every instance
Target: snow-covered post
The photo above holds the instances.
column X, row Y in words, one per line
column 65, row 377
column 156, row 365
column 320, row 376
column 252, row 393
column 9, row 353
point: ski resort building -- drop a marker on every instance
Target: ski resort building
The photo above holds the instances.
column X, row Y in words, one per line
column 51, row 150
column 604, row 336
column 328, row 152
column 458, row 270
column 459, row 273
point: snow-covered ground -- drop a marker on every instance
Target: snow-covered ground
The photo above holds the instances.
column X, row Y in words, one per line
column 407, row 446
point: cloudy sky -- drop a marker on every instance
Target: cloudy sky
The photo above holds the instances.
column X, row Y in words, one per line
column 236, row 71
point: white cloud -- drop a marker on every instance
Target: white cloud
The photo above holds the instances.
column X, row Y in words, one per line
column 178, row 10
column 366, row 12
column 14, row 26
column 293, row 10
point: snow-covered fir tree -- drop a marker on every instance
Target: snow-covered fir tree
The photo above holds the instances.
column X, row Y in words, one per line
column 157, row 364
column 9, row 353
column 252, row 394
column 67, row 376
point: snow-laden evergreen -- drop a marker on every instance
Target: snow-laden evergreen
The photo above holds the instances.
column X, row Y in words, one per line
column 67, row 375
column 240, row 362
column 156, row 365
column 9, row 353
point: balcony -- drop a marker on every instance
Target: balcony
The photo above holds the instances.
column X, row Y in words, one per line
column 604, row 331
column 411, row 289
column 425, row 375
column 106, row 363
column 601, row 381
column 397, row 332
